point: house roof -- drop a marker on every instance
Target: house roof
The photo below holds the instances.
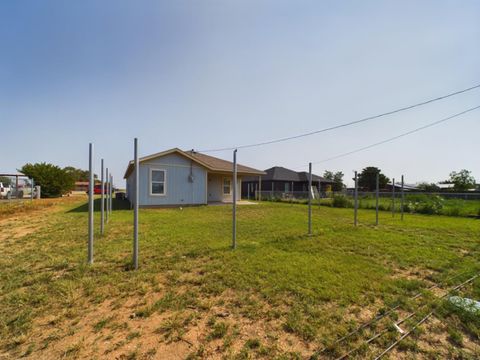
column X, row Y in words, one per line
column 209, row 162
column 279, row 173
column 303, row 175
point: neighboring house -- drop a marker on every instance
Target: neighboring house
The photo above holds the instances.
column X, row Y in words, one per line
column 178, row 178
column 81, row 186
column 398, row 187
column 281, row 180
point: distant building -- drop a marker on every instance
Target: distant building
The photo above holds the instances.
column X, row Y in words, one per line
column 280, row 180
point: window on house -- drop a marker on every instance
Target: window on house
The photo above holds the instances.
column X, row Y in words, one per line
column 157, row 182
column 287, row 187
column 226, row 186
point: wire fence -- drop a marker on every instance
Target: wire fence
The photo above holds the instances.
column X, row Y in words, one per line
column 432, row 203
column 17, row 188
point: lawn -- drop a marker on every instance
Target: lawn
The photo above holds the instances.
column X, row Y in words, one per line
column 414, row 203
column 280, row 294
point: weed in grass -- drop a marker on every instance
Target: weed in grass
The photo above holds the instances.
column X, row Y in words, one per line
column 98, row 326
column 219, row 330
column 132, row 335
column 72, row 351
column 253, row 343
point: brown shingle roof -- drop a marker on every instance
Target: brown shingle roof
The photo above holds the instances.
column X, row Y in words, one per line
column 209, row 162
column 222, row 165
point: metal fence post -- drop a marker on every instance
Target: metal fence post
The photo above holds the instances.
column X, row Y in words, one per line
column 248, row 191
column 111, row 194
column 106, row 195
column 402, row 202
column 31, row 189
column 309, row 198
column 234, row 222
column 135, row 205
column 393, row 197
column 355, row 205
column 260, row 188
column 377, row 193
column 90, row 204
column 102, row 203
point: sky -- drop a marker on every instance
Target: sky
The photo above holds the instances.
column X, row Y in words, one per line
column 208, row 74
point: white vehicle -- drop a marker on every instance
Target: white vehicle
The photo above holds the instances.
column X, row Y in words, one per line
column 5, row 191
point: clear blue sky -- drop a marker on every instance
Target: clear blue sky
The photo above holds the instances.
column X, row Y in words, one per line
column 202, row 74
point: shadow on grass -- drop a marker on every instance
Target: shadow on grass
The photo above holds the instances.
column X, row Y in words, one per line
column 116, row 205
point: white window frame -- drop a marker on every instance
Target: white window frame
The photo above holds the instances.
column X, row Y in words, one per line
column 229, row 186
column 164, row 182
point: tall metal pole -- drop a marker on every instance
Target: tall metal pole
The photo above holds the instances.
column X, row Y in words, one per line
column 90, row 204
column 135, row 205
column 102, row 202
column 106, row 195
column 355, row 205
column 309, row 198
column 31, row 189
column 377, row 194
column 260, row 188
column 402, row 201
column 393, row 197
column 111, row 194
column 234, row 220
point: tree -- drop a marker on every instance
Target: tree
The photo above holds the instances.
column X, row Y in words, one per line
column 78, row 174
column 367, row 179
column 5, row 180
column 337, row 179
column 53, row 180
column 462, row 180
column 428, row 187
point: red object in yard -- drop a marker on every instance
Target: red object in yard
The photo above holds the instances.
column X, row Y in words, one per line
column 97, row 189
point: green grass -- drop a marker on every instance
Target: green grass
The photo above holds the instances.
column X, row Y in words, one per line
column 448, row 207
column 277, row 273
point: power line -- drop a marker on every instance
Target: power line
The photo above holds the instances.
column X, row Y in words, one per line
column 398, row 136
column 345, row 124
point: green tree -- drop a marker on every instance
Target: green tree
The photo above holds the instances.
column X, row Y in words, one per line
column 53, row 180
column 462, row 180
column 5, row 180
column 428, row 187
column 367, row 179
column 78, row 174
column 336, row 177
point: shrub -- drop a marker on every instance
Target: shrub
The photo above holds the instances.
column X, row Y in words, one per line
column 341, row 201
column 424, row 204
column 54, row 181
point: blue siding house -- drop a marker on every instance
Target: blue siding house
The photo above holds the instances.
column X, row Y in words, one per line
column 180, row 178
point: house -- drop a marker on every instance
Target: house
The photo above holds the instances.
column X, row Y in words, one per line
column 178, row 178
column 398, row 187
column 279, row 180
